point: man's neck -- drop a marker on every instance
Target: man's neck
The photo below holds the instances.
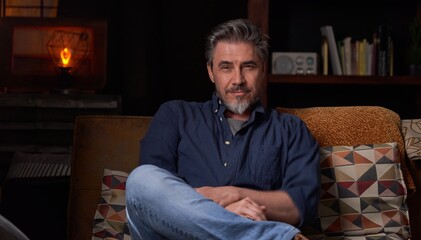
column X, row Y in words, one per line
column 242, row 117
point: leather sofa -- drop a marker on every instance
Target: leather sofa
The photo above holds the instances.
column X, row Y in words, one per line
column 113, row 142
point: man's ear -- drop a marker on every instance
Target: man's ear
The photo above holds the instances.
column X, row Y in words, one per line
column 209, row 68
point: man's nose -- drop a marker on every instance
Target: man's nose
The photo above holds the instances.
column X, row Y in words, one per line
column 238, row 77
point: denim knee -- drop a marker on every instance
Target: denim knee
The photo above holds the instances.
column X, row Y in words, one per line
column 143, row 179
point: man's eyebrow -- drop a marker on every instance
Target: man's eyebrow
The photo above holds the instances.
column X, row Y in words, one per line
column 224, row 62
column 249, row 62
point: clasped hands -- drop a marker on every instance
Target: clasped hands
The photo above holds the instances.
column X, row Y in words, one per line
column 231, row 199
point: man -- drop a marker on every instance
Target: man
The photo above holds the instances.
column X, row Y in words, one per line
column 227, row 168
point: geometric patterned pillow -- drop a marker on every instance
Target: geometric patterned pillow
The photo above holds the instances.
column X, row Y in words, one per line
column 411, row 131
column 110, row 221
column 363, row 194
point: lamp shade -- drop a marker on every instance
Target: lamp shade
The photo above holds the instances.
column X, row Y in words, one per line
column 68, row 49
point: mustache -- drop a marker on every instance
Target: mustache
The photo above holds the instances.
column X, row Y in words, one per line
column 238, row 88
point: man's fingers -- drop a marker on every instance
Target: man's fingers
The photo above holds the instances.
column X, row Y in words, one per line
column 253, row 211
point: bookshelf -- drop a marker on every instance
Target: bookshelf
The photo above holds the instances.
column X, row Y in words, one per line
column 294, row 26
column 345, row 80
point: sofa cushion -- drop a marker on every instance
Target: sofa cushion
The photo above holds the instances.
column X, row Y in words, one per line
column 355, row 125
column 362, row 193
column 110, row 221
column 411, row 131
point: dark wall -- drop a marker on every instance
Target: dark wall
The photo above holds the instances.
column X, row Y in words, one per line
column 155, row 48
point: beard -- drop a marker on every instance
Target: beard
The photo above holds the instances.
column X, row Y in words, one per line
column 242, row 103
column 239, row 107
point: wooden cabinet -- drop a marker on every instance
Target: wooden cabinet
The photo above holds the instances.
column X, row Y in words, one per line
column 294, row 26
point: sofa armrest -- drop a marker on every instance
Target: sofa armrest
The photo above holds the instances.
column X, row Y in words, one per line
column 99, row 142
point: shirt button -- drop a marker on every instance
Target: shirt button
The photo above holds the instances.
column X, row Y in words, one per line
column 227, row 142
column 220, row 119
column 225, row 164
column 216, row 110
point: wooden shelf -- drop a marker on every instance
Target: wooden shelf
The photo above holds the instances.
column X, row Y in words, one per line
column 339, row 80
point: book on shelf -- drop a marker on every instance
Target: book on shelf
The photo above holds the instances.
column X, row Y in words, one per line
column 347, row 65
column 325, row 56
column 327, row 32
column 340, row 47
column 369, row 59
column 354, row 57
column 362, row 57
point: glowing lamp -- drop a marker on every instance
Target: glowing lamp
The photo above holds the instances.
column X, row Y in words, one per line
column 65, row 56
column 68, row 51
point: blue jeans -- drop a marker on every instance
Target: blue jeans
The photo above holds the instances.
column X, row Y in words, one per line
column 162, row 206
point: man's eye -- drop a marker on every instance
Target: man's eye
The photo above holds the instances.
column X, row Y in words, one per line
column 249, row 66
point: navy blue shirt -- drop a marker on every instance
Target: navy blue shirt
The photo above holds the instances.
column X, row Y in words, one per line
column 272, row 151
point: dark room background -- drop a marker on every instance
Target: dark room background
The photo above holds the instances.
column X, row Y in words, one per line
column 155, row 48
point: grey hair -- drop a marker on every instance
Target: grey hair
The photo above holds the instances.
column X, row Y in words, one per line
column 237, row 30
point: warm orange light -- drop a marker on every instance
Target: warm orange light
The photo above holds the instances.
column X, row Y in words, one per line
column 65, row 55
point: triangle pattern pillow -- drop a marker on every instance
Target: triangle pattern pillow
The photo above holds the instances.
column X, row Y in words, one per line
column 110, row 221
column 363, row 194
column 411, row 131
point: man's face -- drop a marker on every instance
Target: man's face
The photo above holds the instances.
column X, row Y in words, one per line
column 238, row 75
